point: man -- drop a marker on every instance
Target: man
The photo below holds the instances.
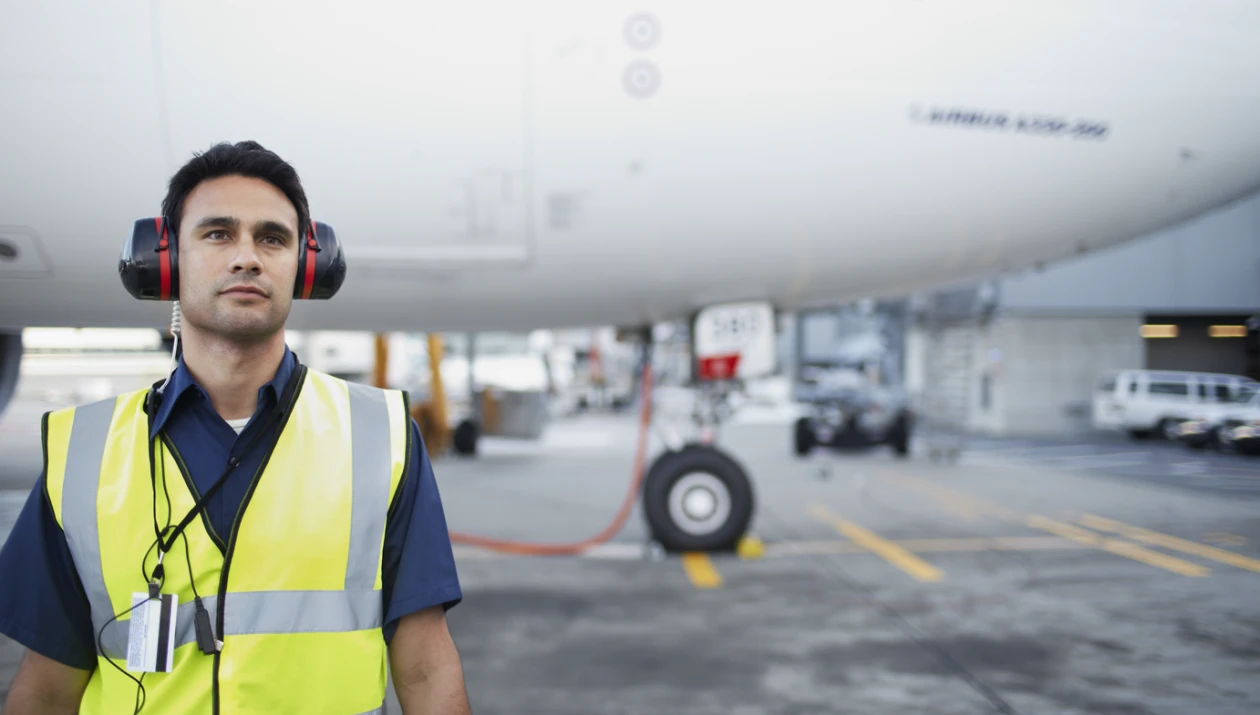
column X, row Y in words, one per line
column 321, row 553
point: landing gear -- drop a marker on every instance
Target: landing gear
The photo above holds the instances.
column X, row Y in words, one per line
column 697, row 499
column 465, row 438
column 695, row 496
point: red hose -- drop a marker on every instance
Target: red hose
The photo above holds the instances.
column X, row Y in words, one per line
column 627, row 504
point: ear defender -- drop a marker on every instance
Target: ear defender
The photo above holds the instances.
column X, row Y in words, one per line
column 149, row 264
column 321, row 265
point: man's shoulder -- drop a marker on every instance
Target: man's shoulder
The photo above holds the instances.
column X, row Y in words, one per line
column 361, row 387
column 123, row 398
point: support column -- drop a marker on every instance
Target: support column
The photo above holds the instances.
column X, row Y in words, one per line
column 380, row 370
column 431, row 416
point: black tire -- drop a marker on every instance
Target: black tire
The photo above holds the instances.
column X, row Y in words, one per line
column 666, row 472
column 803, row 437
column 1164, row 426
column 465, row 438
column 899, row 439
column 10, row 364
column 1140, row 434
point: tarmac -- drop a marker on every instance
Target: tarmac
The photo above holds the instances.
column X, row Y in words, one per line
column 1032, row 576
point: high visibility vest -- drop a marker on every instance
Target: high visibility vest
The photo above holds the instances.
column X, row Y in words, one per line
column 294, row 593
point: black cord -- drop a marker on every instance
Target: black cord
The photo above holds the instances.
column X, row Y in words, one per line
column 192, row 581
column 141, row 695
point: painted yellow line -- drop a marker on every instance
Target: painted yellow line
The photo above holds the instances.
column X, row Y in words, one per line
column 997, row 543
column 1170, row 542
column 1225, row 539
column 700, row 570
column 892, row 553
column 953, row 500
column 1120, row 548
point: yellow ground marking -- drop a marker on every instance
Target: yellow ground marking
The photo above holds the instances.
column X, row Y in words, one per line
column 700, row 570
column 916, row 567
column 1120, row 548
column 953, row 500
column 1155, row 538
column 1001, row 543
column 958, row 508
column 1058, row 528
column 997, row 543
column 1222, row 539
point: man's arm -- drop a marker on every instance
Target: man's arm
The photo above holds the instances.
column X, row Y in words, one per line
column 43, row 607
column 45, row 687
column 428, row 676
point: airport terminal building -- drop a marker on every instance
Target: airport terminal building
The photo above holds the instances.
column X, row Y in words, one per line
column 1021, row 355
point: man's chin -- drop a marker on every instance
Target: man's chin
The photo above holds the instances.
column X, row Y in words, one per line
column 248, row 331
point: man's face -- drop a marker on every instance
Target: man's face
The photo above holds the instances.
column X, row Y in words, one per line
column 238, row 254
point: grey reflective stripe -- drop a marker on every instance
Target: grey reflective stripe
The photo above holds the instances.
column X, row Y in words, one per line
column 377, row 711
column 114, row 639
column 268, row 612
column 372, row 462
column 88, row 433
column 259, row 612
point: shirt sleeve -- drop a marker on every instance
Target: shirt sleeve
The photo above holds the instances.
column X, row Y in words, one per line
column 42, row 603
column 418, row 566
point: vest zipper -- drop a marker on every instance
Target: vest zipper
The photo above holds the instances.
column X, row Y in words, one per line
column 236, row 525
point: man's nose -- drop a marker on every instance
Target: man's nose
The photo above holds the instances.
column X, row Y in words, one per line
column 246, row 258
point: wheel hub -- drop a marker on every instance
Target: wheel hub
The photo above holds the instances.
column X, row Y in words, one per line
column 699, row 503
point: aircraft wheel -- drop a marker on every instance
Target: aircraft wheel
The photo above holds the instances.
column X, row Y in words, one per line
column 465, row 438
column 900, row 438
column 697, row 499
column 803, row 438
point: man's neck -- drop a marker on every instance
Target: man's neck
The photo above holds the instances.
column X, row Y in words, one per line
column 231, row 373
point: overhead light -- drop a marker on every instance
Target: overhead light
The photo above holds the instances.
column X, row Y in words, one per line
column 1159, row 331
column 1228, row 331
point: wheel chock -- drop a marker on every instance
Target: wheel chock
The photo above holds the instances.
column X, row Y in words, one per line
column 750, row 547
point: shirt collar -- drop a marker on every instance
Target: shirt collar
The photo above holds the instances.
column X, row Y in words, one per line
column 182, row 381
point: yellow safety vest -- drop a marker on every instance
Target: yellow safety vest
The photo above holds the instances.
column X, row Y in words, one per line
column 294, row 594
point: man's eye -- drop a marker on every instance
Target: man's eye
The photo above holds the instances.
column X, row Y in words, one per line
column 217, row 235
column 274, row 240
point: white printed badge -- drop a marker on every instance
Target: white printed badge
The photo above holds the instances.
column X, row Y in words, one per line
column 151, row 642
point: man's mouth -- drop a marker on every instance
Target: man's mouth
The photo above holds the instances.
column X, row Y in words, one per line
column 244, row 290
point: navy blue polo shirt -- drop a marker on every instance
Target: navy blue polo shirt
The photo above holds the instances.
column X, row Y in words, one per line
column 43, row 605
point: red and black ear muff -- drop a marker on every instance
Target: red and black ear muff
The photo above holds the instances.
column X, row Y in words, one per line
column 321, row 266
column 149, row 264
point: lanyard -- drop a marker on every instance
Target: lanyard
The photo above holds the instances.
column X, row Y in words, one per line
column 275, row 415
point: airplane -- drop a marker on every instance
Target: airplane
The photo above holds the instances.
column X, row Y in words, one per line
column 507, row 165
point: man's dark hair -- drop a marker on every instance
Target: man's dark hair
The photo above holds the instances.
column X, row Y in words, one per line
column 247, row 158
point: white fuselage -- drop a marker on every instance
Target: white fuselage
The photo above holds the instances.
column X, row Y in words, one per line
column 492, row 165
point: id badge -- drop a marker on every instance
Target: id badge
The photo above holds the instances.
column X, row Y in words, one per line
column 151, row 639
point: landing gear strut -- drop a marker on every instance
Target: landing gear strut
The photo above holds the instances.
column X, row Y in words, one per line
column 697, row 497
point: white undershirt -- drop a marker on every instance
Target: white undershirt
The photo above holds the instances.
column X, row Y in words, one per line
column 238, row 425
